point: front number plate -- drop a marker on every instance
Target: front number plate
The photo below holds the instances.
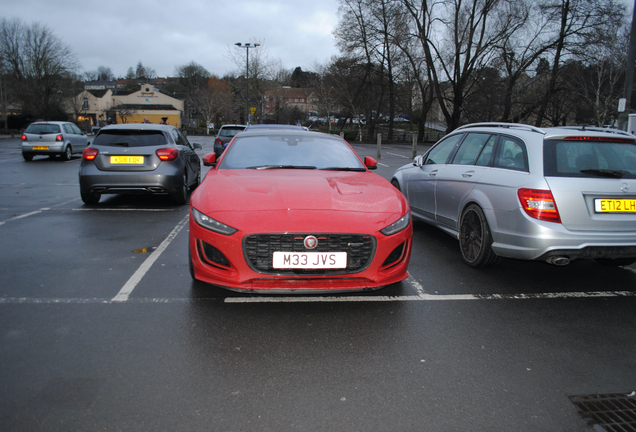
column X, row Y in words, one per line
column 310, row 260
column 614, row 205
column 133, row 160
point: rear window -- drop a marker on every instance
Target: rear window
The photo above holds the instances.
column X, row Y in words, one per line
column 129, row 138
column 589, row 159
column 230, row 131
column 42, row 128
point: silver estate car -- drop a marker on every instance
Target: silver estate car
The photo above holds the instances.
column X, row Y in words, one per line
column 52, row 138
column 516, row 191
column 139, row 159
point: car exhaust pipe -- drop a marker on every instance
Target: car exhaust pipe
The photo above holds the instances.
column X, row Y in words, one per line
column 558, row 261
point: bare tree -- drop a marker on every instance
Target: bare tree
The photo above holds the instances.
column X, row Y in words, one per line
column 212, row 100
column 574, row 21
column 37, row 63
column 124, row 111
column 600, row 73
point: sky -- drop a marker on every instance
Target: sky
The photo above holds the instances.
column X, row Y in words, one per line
column 165, row 34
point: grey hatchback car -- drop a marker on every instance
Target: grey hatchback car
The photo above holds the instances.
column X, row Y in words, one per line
column 139, row 159
column 52, row 138
column 516, row 191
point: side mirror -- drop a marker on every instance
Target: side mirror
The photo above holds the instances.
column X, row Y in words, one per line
column 418, row 160
column 370, row 163
column 209, row 160
column 197, row 146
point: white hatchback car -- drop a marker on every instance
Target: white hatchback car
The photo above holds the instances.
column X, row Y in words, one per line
column 53, row 138
column 516, row 191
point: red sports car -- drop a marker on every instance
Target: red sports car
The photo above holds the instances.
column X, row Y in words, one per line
column 290, row 211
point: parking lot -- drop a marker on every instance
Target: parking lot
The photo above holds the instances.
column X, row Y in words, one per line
column 103, row 328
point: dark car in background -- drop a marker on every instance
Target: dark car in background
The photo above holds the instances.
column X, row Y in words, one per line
column 225, row 135
column 139, row 159
column 52, row 138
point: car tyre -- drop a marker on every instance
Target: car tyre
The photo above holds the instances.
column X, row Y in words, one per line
column 181, row 196
column 197, row 182
column 615, row 262
column 90, row 198
column 475, row 238
column 395, row 183
column 27, row 157
column 68, row 152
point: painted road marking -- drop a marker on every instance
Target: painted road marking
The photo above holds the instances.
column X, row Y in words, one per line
column 128, row 288
column 324, row 299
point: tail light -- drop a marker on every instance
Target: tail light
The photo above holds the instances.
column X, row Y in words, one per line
column 539, row 204
column 24, row 137
column 90, row 153
column 217, row 140
column 59, row 138
column 167, row 154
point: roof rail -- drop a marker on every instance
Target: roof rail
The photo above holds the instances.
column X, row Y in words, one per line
column 503, row 125
column 597, row 129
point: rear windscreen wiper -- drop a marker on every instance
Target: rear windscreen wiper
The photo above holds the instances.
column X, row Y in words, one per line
column 605, row 173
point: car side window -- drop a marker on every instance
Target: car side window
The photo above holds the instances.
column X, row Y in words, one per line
column 178, row 138
column 486, row 152
column 440, row 153
column 182, row 139
column 76, row 130
column 470, row 149
column 511, row 154
column 68, row 129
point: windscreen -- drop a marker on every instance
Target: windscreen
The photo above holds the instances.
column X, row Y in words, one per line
column 589, row 159
column 129, row 138
column 288, row 151
column 42, row 128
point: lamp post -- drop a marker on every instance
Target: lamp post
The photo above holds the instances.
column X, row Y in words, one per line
column 247, row 47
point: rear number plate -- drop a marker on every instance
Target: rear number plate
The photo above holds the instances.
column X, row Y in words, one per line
column 603, row 205
column 310, row 260
column 132, row 160
column 40, row 147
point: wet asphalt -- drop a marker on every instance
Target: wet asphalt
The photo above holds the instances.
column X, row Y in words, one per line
column 449, row 349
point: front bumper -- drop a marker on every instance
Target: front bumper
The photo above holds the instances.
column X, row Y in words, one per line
column 228, row 268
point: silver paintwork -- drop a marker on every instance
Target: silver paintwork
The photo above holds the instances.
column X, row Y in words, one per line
column 438, row 194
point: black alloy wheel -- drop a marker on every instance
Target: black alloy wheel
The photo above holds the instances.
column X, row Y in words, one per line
column 475, row 239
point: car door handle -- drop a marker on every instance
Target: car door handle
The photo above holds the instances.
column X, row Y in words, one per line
column 468, row 174
column 432, row 173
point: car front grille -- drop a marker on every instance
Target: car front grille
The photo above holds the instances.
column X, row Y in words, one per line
column 259, row 249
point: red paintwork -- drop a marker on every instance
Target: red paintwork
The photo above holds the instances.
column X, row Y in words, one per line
column 280, row 201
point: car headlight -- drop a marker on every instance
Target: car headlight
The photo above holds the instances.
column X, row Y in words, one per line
column 208, row 223
column 398, row 225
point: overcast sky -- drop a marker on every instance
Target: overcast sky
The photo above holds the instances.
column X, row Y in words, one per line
column 165, row 34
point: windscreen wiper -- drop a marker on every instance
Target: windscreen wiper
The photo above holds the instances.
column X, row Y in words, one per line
column 605, row 173
column 282, row 167
column 342, row 169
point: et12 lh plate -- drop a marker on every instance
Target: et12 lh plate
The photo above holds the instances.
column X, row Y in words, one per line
column 604, row 205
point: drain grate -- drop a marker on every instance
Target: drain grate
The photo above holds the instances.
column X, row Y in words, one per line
column 613, row 412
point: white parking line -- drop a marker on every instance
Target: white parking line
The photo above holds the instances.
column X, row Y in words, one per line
column 399, row 155
column 128, row 288
column 325, row 299
column 22, row 216
column 429, row 297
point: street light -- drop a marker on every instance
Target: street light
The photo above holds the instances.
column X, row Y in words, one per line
column 247, row 47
